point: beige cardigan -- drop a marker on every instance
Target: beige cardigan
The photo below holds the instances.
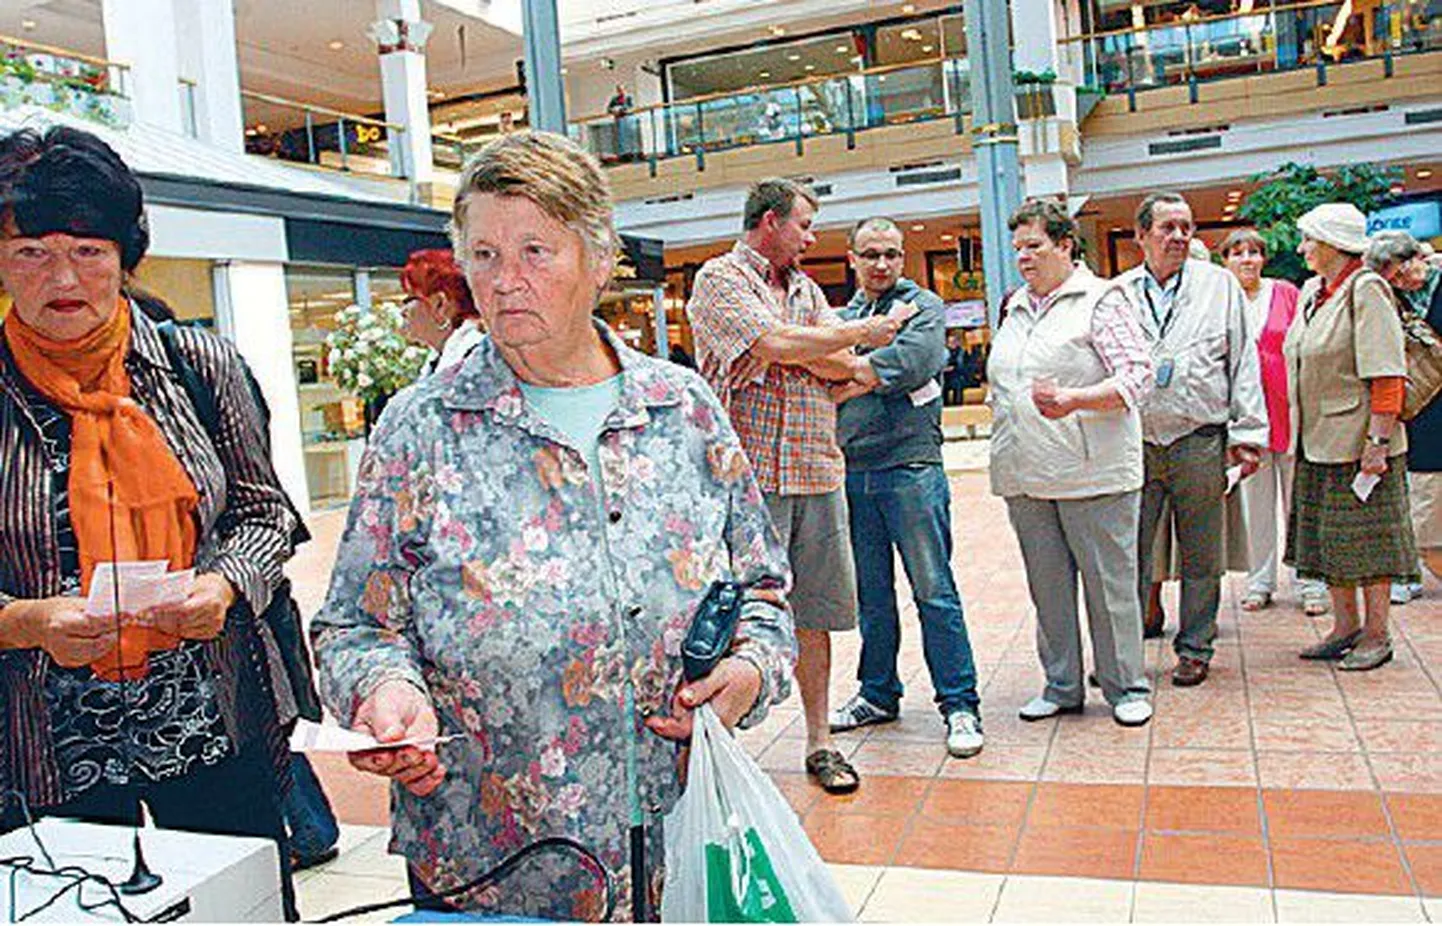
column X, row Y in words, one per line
column 1332, row 350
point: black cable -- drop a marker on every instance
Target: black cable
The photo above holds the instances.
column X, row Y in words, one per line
column 503, row 870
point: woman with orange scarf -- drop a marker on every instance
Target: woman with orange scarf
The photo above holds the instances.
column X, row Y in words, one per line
column 107, row 461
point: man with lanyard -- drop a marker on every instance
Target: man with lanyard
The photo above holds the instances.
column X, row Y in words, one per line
column 896, row 491
column 1206, row 414
column 768, row 343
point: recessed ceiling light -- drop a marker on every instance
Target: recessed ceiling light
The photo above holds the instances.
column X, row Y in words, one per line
column 793, row 57
column 842, row 49
column 778, row 30
column 1234, row 194
column 810, row 67
column 908, row 8
column 335, row 45
column 27, row 24
column 881, row 79
column 1230, row 207
column 565, row 71
column 928, row 49
column 262, row 128
column 765, row 74
column 1424, row 173
column 948, row 237
column 911, row 35
column 1396, row 189
column 918, row 227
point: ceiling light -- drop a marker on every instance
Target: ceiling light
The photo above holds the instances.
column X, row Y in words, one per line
column 564, row 72
column 765, row 74
column 842, row 49
column 918, row 227
column 928, row 49
column 1234, row 194
column 881, row 79
column 793, row 57
column 27, row 24
column 810, row 67
column 908, row 8
column 1396, row 189
column 911, row 35
column 948, row 237
column 1424, row 173
column 1231, row 207
column 335, row 45
column 262, row 128
column 778, row 30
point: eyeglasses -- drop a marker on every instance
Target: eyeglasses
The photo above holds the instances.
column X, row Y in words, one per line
column 874, row 256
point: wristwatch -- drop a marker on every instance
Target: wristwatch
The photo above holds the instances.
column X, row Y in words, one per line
column 1376, row 441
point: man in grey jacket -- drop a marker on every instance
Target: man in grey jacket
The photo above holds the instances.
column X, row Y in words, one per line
column 1207, row 413
column 889, row 428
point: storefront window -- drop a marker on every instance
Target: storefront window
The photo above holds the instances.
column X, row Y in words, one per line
column 822, row 56
column 332, row 421
column 184, row 285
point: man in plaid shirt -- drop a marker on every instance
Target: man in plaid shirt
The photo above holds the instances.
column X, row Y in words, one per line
column 768, row 344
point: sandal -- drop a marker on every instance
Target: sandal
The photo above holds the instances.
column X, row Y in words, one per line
column 832, row 771
column 1256, row 601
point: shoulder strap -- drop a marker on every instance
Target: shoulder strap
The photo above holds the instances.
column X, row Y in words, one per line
column 202, row 396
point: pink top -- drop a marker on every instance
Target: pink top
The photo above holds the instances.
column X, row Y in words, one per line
column 1280, row 313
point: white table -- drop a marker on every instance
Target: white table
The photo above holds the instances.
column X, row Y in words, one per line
column 205, row 878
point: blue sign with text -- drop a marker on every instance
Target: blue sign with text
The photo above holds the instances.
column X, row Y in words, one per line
column 1421, row 220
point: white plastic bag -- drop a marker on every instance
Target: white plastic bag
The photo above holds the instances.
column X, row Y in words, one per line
column 735, row 851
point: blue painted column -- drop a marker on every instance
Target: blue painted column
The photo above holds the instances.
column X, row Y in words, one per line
column 545, row 90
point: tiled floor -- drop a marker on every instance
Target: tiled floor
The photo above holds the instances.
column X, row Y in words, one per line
column 1278, row 791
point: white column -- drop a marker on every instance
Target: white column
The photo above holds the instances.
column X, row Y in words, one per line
column 142, row 34
column 208, row 57
column 252, row 310
column 1044, row 143
column 400, row 36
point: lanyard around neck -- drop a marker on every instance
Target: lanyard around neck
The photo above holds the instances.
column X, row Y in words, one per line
column 1164, row 325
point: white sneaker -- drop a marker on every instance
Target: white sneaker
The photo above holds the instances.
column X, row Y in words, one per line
column 1404, row 592
column 1039, row 708
column 1132, row 713
column 963, row 734
column 858, row 712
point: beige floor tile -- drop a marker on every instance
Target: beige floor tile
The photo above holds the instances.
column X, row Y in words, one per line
column 1029, row 899
column 1173, row 903
column 856, row 883
column 328, row 893
column 922, row 895
column 368, row 858
column 1316, row 907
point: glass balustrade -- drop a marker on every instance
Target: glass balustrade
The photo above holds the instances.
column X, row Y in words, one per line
column 55, row 78
column 1270, row 37
column 786, row 113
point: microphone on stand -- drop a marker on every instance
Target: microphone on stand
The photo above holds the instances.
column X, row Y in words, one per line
column 142, row 880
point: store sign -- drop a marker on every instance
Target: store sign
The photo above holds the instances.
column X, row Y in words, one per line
column 1420, row 220
column 969, row 313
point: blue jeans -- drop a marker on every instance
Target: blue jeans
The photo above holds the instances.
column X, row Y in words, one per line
column 307, row 810
column 909, row 508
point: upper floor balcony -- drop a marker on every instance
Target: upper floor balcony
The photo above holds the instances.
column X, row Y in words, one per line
column 36, row 74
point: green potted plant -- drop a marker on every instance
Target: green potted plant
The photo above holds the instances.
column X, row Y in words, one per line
column 370, row 357
column 1034, row 96
column 1292, row 189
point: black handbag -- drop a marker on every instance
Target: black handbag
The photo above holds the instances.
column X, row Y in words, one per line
column 282, row 615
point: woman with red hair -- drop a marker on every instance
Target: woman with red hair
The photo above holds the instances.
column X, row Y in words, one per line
column 439, row 311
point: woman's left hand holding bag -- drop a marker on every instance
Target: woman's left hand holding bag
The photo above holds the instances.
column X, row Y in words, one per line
column 731, row 688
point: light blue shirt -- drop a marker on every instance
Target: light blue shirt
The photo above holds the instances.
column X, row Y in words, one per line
column 578, row 412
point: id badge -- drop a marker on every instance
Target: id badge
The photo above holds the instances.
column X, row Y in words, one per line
column 1164, row 372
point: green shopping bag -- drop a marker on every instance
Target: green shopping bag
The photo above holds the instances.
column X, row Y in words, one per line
column 741, row 883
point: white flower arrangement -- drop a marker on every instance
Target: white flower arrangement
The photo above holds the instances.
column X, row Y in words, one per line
column 368, row 354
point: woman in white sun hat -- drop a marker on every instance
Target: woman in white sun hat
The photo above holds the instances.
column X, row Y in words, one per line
column 1346, row 368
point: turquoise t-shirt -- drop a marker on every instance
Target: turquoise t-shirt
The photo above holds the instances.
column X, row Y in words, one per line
column 578, row 412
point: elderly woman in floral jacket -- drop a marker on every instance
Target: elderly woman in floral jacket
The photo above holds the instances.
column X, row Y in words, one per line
column 532, row 533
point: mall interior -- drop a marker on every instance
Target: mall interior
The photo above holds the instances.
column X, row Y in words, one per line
column 294, row 155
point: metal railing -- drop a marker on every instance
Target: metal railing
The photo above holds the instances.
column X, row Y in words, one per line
column 63, row 80
column 306, row 133
column 937, row 88
column 1274, row 36
column 189, row 117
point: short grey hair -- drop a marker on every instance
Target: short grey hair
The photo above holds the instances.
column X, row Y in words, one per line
column 564, row 180
column 775, row 194
column 1149, row 205
column 1389, row 248
column 877, row 223
column 1243, row 237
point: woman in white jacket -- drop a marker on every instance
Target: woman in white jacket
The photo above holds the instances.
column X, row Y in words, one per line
column 1069, row 368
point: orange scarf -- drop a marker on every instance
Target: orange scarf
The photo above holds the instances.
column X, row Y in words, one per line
column 130, row 499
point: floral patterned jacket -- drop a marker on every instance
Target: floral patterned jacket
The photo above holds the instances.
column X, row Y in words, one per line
column 480, row 564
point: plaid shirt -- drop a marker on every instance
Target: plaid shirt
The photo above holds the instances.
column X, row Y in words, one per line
column 785, row 416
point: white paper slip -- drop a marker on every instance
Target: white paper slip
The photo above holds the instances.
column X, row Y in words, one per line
column 926, row 394
column 1363, row 485
column 1234, row 476
column 142, row 586
column 314, row 737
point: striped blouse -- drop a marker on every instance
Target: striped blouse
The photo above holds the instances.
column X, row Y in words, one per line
column 246, row 528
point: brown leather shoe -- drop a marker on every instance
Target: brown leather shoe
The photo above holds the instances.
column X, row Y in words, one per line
column 1189, row 672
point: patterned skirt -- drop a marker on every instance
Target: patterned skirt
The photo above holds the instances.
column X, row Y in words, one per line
column 1333, row 536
